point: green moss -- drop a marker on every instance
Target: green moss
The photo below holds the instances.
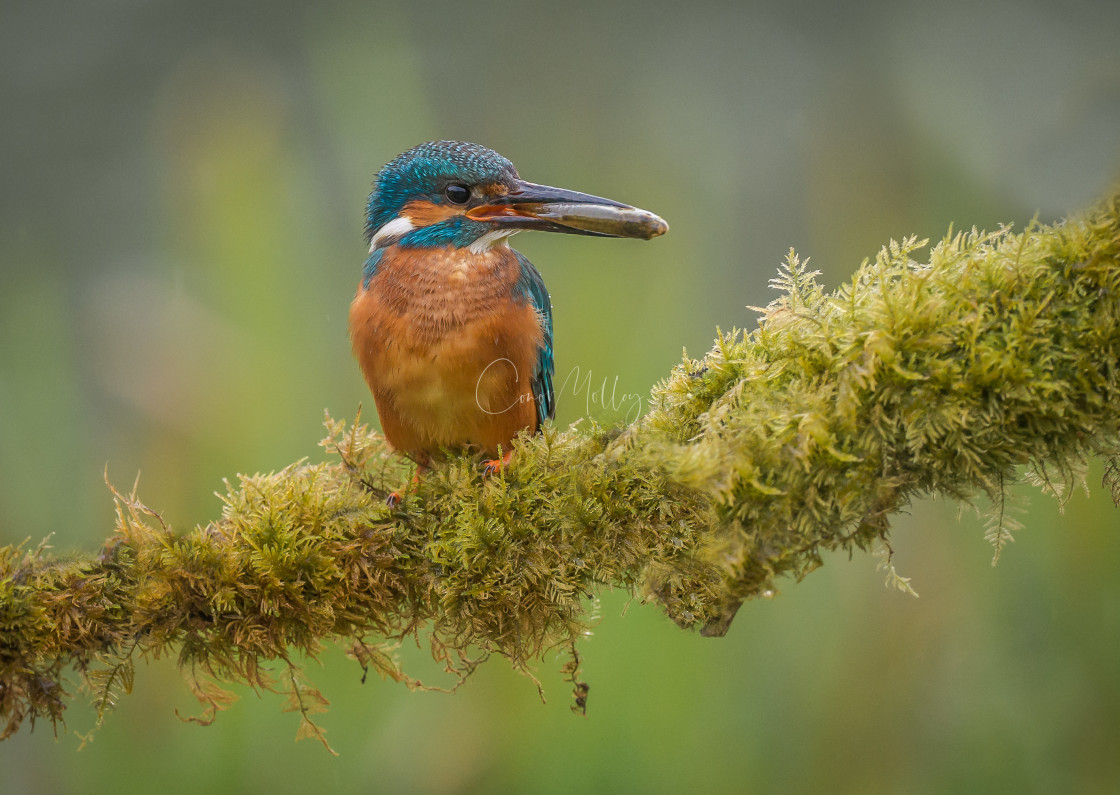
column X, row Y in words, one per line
column 998, row 355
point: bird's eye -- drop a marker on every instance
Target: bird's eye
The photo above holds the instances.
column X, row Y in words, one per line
column 457, row 193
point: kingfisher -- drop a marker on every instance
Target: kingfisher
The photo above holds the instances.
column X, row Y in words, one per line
column 451, row 327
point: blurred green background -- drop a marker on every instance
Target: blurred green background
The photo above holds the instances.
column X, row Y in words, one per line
column 180, row 236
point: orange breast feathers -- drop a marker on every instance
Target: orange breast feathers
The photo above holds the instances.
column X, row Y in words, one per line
column 448, row 349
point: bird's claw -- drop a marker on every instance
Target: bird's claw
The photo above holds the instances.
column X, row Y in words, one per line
column 493, row 466
column 395, row 497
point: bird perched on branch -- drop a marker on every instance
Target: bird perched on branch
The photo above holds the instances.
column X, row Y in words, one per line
column 453, row 328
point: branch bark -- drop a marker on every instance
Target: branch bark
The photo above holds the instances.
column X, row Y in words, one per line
column 998, row 356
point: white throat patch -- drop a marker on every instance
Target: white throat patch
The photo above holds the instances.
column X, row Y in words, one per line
column 390, row 232
column 490, row 239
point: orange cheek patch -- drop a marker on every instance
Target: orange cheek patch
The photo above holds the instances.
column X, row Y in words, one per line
column 425, row 213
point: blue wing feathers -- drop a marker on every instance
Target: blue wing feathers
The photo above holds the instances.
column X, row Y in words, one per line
column 531, row 286
column 371, row 266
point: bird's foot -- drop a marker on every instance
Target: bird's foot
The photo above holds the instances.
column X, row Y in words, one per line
column 493, row 466
column 395, row 497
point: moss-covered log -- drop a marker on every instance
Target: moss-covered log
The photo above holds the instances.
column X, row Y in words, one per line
column 998, row 356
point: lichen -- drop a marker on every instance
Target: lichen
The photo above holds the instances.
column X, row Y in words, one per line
column 998, row 356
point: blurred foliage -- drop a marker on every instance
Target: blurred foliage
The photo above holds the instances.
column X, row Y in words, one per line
column 801, row 438
column 143, row 144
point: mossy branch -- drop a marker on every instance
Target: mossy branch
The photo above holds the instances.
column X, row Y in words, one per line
column 999, row 355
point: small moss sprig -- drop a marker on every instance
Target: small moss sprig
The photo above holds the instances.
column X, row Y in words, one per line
column 999, row 355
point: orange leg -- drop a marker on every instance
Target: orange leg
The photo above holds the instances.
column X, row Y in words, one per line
column 492, row 466
column 394, row 498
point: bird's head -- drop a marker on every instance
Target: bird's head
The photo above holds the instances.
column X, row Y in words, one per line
column 451, row 193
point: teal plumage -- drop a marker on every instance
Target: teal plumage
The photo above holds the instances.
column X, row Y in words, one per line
column 531, row 285
column 448, row 319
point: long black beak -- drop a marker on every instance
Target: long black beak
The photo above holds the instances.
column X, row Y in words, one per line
column 531, row 206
